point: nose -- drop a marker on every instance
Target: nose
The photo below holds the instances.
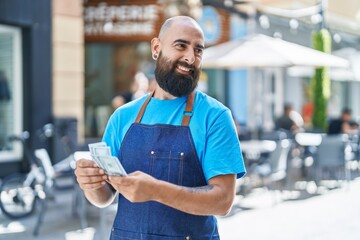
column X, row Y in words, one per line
column 189, row 56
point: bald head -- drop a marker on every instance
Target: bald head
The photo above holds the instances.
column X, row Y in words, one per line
column 178, row 52
column 178, row 20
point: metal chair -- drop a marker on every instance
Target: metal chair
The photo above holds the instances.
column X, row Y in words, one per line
column 275, row 169
column 331, row 158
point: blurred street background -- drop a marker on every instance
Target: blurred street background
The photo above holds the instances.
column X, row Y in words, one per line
column 289, row 70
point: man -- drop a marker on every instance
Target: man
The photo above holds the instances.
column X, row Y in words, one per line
column 290, row 121
column 178, row 145
column 344, row 124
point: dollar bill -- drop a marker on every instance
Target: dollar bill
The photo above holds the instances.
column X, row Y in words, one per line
column 98, row 144
column 101, row 151
column 101, row 155
column 113, row 166
column 92, row 147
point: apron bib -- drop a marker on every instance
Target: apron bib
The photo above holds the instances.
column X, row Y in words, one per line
column 166, row 152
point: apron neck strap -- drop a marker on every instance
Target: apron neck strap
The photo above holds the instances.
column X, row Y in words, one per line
column 187, row 113
column 188, row 109
column 143, row 107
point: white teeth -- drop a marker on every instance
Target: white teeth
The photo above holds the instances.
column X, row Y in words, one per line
column 184, row 68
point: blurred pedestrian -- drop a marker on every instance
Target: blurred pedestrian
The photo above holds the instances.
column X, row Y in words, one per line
column 291, row 121
column 138, row 89
column 118, row 101
column 343, row 124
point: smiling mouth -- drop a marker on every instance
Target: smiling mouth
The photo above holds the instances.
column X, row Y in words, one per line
column 184, row 69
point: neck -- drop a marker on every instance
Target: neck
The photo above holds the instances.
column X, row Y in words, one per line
column 162, row 95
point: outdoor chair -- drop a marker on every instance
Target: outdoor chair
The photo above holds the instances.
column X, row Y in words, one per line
column 276, row 135
column 331, row 158
column 274, row 170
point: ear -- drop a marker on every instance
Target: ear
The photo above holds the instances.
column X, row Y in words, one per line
column 155, row 46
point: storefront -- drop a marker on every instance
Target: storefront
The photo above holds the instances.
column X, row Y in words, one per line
column 117, row 53
column 25, row 75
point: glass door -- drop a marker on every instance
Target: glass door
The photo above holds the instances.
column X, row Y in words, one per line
column 11, row 108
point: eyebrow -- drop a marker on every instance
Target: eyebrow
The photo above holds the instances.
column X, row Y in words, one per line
column 188, row 42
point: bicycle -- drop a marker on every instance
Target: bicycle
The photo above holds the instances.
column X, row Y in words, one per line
column 20, row 193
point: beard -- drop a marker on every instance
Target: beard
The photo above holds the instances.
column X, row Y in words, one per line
column 172, row 82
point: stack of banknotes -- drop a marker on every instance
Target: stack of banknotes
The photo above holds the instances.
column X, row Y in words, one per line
column 100, row 153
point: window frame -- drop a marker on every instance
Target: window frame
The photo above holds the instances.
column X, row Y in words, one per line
column 16, row 154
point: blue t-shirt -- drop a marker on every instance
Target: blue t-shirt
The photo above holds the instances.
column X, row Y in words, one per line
column 211, row 125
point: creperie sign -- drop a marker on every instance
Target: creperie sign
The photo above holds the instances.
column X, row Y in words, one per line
column 106, row 22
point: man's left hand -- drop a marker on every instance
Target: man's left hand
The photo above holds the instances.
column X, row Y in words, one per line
column 136, row 187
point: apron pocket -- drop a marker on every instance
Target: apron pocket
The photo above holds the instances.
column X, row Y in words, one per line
column 167, row 166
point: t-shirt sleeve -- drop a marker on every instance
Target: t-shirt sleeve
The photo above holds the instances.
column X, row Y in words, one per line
column 110, row 135
column 223, row 155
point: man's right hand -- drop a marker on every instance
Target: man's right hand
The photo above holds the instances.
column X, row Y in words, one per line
column 89, row 175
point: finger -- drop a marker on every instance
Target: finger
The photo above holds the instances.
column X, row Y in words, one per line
column 84, row 172
column 92, row 185
column 83, row 163
column 91, row 179
column 118, row 180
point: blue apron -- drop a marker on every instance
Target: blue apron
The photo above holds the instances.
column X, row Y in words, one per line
column 166, row 152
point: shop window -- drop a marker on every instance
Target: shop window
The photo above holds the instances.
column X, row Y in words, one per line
column 10, row 92
column 113, row 70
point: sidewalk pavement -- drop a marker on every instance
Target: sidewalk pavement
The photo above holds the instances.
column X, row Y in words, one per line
column 60, row 222
column 333, row 215
column 261, row 215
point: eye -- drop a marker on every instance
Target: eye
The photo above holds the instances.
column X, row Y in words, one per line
column 199, row 51
column 180, row 45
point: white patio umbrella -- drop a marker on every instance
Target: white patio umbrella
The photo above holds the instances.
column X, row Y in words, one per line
column 259, row 51
column 336, row 74
column 352, row 73
column 353, row 56
column 264, row 51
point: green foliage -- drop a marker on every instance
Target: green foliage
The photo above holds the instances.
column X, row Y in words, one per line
column 321, row 88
